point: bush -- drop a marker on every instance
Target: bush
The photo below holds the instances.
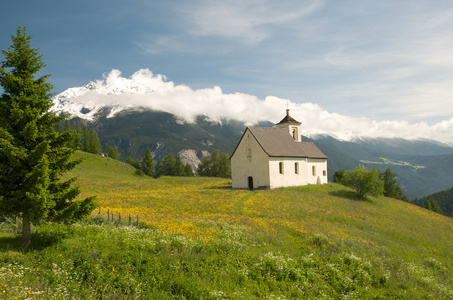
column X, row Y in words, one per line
column 364, row 182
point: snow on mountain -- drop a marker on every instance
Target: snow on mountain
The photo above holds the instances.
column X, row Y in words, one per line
column 90, row 100
column 145, row 90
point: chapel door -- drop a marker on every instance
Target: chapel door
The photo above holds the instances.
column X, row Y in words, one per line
column 250, row 183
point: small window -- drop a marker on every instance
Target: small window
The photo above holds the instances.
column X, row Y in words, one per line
column 280, row 167
column 249, row 152
column 295, row 133
column 313, row 169
column 296, row 168
column 324, row 173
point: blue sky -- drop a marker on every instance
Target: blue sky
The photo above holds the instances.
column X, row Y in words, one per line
column 378, row 62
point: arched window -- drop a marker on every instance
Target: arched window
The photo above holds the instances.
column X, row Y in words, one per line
column 280, row 167
column 296, row 168
column 313, row 170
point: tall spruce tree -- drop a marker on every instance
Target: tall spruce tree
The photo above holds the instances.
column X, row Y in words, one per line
column 33, row 155
column 391, row 186
column 169, row 163
column 160, row 168
column 147, row 164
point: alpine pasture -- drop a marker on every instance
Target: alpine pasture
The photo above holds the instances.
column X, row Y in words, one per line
column 199, row 239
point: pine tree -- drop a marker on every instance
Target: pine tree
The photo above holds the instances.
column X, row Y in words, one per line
column 133, row 162
column 113, row 152
column 391, row 185
column 94, row 145
column 433, row 205
column 32, row 154
column 77, row 139
column 179, row 167
column 188, row 172
column 428, row 204
column 160, row 169
column 85, row 139
column 169, row 163
column 147, row 164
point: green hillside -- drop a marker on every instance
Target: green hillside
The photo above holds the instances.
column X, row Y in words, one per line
column 199, row 239
column 426, row 169
column 443, row 198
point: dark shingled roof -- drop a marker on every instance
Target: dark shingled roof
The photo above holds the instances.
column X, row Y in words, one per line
column 288, row 119
column 278, row 142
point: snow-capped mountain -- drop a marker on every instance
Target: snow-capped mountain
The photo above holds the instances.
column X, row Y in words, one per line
column 94, row 98
column 146, row 91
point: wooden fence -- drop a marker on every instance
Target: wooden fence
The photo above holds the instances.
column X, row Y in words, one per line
column 15, row 224
column 111, row 218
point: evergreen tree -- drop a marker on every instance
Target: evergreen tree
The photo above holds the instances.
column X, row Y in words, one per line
column 147, row 164
column 215, row 165
column 77, row 139
column 113, row 152
column 391, row 186
column 169, row 163
column 33, row 155
column 432, row 204
column 90, row 141
column 94, row 144
column 67, row 126
column 133, row 162
column 428, row 204
column 85, row 139
column 160, row 169
column 338, row 176
column 179, row 167
column 188, row 172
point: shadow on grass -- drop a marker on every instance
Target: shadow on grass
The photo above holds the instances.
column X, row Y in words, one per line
column 39, row 241
column 349, row 195
column 10, row 242
column 221, row 187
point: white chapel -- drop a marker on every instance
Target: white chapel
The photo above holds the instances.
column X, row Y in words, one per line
column 271, row 157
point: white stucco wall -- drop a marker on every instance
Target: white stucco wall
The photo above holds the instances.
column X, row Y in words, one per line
column 243, row 165
column 320, row 175
column 289, row 176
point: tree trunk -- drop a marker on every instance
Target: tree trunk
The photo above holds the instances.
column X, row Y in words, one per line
column 26, row 232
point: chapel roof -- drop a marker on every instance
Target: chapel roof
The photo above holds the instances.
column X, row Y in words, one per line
column 288, row 119
column 277, row 142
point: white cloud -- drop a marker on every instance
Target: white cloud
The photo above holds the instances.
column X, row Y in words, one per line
column 145, row 89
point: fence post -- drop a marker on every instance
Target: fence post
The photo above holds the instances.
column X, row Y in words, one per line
column 119, row 219
column 130, row 220
column 108, row 216
column 137, row 221
column 17, row 224
column 99, row 210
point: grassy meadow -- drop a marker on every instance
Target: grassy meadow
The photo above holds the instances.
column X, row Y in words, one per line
column 199, row 239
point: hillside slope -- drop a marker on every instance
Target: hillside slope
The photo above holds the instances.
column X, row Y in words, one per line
column 201, row 239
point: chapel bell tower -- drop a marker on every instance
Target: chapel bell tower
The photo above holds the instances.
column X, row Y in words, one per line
column 292, row 126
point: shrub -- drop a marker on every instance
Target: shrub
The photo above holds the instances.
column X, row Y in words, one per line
column 364, row 182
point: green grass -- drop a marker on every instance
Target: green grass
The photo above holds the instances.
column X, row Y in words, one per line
column 205, row 241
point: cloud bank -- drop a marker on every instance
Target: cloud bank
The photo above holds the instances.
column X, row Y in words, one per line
column 156, row 92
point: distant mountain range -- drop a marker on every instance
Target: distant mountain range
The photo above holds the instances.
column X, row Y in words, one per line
column 423, row 166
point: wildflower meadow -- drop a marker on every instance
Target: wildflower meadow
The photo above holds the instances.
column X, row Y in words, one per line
column 199, row 239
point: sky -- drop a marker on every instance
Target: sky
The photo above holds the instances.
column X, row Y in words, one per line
column 377, row 68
